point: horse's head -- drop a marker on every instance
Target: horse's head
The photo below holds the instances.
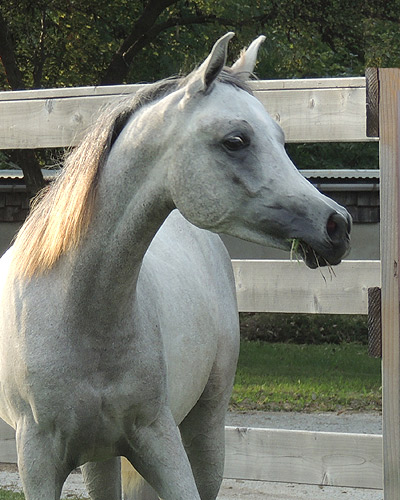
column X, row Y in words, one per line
column 230, row 172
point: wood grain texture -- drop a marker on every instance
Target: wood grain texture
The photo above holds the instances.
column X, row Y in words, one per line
column 323, row 458
column 372, row 102
column 309, row 83
column 389, row 86
column 290, row 287
column 308, row 111
column 110, row 90
column 48, row 123
column 318, row 115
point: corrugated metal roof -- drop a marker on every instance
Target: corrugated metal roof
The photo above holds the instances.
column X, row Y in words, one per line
column 356, row 174
column 341, row 174
column 48, row 174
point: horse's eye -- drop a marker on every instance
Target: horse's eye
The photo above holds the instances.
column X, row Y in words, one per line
column 235, row 143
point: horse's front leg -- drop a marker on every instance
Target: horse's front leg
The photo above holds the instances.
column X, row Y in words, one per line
column 42, row 465
column 103, row 479
column 157, row 453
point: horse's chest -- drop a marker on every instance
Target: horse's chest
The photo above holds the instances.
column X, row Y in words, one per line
column 100, row 387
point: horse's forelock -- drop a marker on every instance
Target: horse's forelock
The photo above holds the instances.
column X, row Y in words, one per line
column 235, row 79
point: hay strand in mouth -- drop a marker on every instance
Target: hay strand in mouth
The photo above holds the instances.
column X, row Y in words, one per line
column 294, row 249
column 297, row 251
column 331, row 271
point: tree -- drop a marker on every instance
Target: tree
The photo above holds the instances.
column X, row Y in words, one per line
column 58, row 43
column 27, row 160
column 55, row 43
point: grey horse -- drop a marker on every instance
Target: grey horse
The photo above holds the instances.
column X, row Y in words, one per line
column 118, row 324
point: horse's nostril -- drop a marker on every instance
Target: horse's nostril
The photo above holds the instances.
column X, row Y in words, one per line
column 338, row 226
column 331, row 227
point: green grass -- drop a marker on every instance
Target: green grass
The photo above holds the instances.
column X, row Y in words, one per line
column 10, row 495
column 288, row 377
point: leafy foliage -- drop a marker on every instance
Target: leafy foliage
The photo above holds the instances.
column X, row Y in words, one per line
column 54, row 43
column 59, row 43
column 304, row 328
column 334, row 155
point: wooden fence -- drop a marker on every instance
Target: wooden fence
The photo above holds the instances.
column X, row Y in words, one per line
column 309, row 111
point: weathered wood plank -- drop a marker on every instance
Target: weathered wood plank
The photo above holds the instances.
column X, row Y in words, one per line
column 306, row 83
column 389, row 155
column 372, row 81
column 62, row 92
column 334, row 459
column 48, row 123
column 8, row 449
column 318, row 115
column 290, row 287
column 309, row 83
column 323, row 458
column 59, row 117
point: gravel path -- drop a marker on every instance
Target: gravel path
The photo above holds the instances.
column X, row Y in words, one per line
column 364, row 423
column 369, row 423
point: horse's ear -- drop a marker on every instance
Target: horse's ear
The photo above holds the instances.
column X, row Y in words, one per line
column 244, row 66
column 203, row 77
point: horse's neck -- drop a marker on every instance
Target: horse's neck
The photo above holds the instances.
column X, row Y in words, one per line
column 131, row 206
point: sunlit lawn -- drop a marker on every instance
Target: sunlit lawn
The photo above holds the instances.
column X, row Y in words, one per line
column 306, row 378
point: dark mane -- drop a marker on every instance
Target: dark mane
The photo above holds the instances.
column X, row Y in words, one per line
column 229, row 77
column 124, row 109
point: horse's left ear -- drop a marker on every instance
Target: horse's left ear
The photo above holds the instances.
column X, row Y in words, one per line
column 203, row 77
column 245, row 65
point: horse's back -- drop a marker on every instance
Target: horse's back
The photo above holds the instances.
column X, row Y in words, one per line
column 186, row 287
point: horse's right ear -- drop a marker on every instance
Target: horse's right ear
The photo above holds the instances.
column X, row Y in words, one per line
column 203, row 77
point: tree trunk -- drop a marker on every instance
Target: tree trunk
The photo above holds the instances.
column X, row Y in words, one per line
column 25, row 159
column 119, row 66
column 33, row 177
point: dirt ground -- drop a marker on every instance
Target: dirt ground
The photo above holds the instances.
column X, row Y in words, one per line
column 364, row 423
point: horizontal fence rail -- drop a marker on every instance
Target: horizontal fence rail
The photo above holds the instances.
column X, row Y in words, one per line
column 288, row 456
column 323, row 458
column 308, row 110
column 283, row 286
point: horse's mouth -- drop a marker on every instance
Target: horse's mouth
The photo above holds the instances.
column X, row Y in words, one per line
column 311, row 257
column 313, row 260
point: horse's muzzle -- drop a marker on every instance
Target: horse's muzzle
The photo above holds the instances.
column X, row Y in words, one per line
column 338, row 228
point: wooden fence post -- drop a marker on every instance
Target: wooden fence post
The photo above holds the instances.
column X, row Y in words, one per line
column 389, row 136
